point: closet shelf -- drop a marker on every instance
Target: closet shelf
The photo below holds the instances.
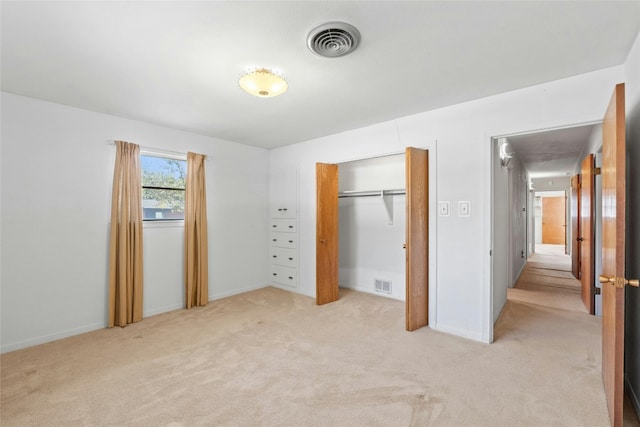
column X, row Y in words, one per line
column 382, row 194
column 371, row 193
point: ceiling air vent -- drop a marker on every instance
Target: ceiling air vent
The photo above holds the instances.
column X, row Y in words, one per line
column 333, row 39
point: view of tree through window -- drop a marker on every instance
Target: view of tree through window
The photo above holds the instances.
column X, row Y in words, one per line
column 163, row 187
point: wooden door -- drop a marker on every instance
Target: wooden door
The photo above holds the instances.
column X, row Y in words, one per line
column 417, row 246
column 553, row 219
column 587, row 244
column 613, row 240
column 326, row 233
column 575, row 226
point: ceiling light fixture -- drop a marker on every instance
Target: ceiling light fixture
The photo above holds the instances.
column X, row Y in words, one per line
column 263, row 83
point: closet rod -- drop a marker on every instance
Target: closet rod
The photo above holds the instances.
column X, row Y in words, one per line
column 370, row 193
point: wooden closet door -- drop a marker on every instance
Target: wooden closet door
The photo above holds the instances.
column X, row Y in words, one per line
column 326, row 233
column 417, row 246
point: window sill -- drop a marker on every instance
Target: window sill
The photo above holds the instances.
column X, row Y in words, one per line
column 173, row 223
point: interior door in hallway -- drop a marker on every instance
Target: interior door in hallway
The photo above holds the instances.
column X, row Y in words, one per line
column 326, row 233
column 553, row 220
column 613, row 247
column 575, row 226
column 587, row 244
column 417, row 244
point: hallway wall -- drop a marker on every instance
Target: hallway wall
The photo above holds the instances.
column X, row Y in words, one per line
column 509, row 226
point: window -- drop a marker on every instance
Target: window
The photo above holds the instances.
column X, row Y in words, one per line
column 163, row 187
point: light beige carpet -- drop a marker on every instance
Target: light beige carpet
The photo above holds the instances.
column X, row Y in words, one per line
column 547, row 280
column 273, row 358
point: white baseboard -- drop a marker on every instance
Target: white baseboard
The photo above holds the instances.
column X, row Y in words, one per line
column 51, row 337
column 95, row 326
column 220, row 295
column 462, row 333
column 368, row 291
column 162, row 310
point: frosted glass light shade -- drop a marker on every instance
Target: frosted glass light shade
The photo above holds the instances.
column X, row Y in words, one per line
column 263, row 83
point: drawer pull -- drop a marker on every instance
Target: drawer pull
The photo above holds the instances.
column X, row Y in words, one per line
column 275, row 274
column 274, row 225
column 275, row 240
column 290, row 259
column 284, row 209
column 290, row 241
column 275, row 256
column 280, row 210
column 291, row 226
column 290, row 277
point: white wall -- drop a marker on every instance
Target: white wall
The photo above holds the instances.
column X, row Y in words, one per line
column 370, row 247
column 57, row 171
column 459, row 139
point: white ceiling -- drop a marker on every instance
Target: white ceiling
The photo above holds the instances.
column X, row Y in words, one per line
column 551, row 153
column 177, row 63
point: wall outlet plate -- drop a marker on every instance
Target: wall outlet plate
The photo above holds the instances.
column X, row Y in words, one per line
column 464, row 208
column 444, row 208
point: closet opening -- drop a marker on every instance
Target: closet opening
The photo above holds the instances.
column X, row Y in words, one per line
column 372, row 230
column 372, row 226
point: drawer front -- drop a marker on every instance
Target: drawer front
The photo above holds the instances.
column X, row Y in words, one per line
column 284, row 256
column 284, row 276
column 281, row 211
column 284, row 240
column 284, row 226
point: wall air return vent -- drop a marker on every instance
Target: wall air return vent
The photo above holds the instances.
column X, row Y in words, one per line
column 333, row 39
column 383, row 286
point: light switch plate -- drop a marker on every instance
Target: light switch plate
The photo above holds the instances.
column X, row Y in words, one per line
column 464, row 208
column 444, row 208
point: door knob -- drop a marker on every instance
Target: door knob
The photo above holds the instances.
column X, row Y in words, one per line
column 619, row 282
column 580, row 239
column 404, row 246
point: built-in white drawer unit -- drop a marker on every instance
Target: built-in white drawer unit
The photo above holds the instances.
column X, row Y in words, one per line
column 284, row 240
column 284, row 225
column 284, row 275
column 284, row 256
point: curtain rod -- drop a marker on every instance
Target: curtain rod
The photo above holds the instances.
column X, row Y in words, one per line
column 152, row 150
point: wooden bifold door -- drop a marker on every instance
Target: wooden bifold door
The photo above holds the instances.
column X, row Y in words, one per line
column 327, row 263
column 417, row 236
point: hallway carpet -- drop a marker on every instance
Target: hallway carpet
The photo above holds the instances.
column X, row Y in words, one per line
column 273, row 358
column 547, row 280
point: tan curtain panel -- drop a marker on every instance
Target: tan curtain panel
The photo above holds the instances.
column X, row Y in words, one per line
column 196, row 258
column 125, row 251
